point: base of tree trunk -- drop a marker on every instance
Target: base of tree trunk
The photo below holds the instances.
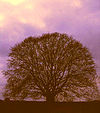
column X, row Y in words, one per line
column 50, row 99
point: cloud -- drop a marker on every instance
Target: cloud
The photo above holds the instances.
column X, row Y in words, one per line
column 2, row 18
column 25, row 12
column 13, row 2
column 48, row 15
column 92, row 5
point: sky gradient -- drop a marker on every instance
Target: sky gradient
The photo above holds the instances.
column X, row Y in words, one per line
column 22, row 18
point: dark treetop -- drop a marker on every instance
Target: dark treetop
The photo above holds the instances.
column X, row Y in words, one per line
column 53, row 66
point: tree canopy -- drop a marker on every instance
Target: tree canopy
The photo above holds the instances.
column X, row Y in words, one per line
column 54, row 66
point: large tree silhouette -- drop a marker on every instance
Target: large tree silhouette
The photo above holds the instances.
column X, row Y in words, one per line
column 51, row 66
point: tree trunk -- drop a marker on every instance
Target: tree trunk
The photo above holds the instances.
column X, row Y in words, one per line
column 50, row 99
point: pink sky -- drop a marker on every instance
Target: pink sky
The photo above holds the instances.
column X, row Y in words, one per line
column 22, row 18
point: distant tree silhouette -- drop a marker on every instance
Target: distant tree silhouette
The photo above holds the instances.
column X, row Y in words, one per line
column 7, row 99
column 54, row 66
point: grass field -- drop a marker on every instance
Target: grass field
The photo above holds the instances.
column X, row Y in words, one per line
column 44, row 107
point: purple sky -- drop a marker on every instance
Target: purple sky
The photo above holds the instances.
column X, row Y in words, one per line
column 22, row 18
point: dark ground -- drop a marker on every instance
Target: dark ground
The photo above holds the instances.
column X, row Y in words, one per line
column 43, row 107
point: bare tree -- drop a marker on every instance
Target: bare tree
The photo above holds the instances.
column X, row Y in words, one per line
column 51, row 66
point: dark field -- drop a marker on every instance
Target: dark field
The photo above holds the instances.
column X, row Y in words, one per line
column 43, row 107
